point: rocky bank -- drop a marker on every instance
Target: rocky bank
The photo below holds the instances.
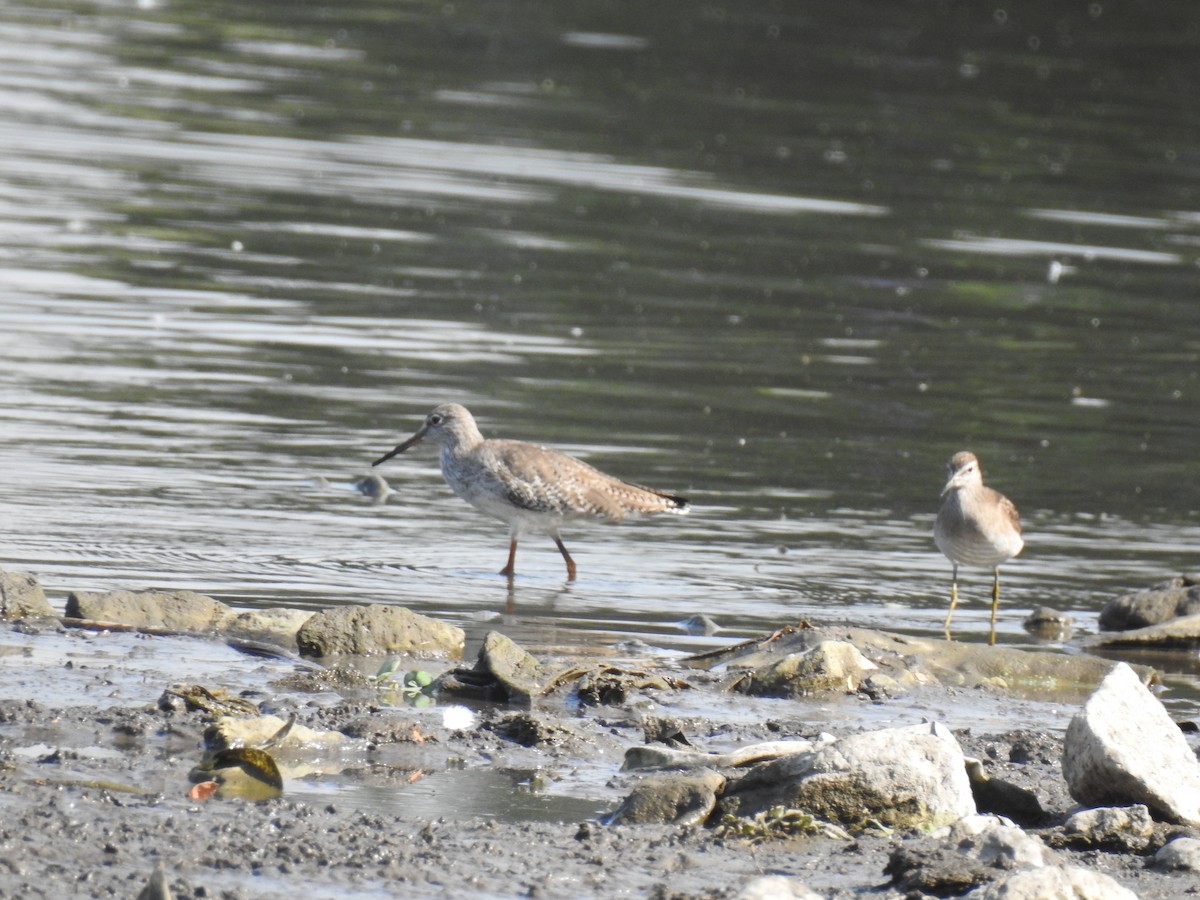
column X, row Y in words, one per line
column 808, row 763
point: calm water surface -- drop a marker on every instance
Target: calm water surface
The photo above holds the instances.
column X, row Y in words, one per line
column 784, row 259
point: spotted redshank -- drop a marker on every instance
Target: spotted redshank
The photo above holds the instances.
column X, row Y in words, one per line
column 532, row 488
column 976, row 526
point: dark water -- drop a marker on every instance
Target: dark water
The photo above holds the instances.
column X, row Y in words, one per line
column 783, row 258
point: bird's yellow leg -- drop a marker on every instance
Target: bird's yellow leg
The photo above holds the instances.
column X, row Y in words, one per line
column 995, row 595
column 995, row 604
column 953, row 599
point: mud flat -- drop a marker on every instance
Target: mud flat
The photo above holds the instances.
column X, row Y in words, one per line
column 499, row 775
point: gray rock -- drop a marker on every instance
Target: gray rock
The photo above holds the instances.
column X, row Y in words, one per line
column 504, row 673
column 664, row 799
column 658, row 756
column 1178, row 597
column 921, row 868
column 157, row 887
column 528, row 730
column 776, row 887
column 1060, row 883
column 913, row 661
column 184, row 611
column 517, row 671
column 1122, row 748
column 828, row 666
column 878, row 686
column 1181, row 854
column 21, row 597
column 1180, row 632
column 997, row 843
column 970, row 852
column 900, row 777
column 273, row 626
column 377, row 629
column 1127, row 829
column 666, row 730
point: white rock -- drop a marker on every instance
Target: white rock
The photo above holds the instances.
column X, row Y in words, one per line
column 1067, row 883
column 924, row 761
column 830, row 665
column 776, row 887
column 1109, row 822
column 904, row 777
column 969, row 826
column 261, row 731
column 278, row 625
column 1122, row 748
column 1181, row 853
column 999, row 843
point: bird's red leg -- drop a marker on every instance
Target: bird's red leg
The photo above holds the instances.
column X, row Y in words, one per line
column 566, row 556
column 511, row 569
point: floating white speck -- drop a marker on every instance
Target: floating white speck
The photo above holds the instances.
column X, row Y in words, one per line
column 458, row 718
column 1057, row 270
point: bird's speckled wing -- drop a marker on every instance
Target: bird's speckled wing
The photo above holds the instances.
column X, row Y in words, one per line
column 1008, row 509
column 548, row 482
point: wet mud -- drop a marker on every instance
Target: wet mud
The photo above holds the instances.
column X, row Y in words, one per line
column 98, row 751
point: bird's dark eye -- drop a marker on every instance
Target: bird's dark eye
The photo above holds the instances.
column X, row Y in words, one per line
column 435, row 420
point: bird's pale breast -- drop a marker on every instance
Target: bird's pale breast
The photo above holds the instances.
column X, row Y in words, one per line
column 978, row 529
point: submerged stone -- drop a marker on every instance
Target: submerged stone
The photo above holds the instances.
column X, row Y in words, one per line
column 1048, row 624
column 665, row 799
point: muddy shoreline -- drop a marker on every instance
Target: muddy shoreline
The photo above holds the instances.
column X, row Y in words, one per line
column 95, row 767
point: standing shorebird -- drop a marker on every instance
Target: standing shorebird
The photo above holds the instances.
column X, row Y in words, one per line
column 532, row 488
column 976, row 526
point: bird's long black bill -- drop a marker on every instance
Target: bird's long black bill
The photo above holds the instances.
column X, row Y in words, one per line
column 400, row 448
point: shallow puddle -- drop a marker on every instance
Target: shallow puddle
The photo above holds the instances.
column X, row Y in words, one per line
column 457, row 793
